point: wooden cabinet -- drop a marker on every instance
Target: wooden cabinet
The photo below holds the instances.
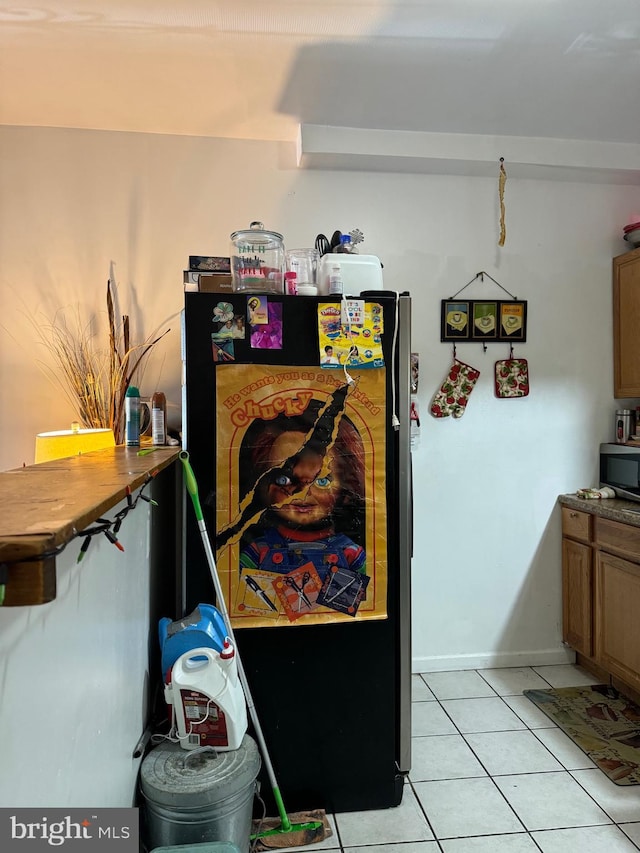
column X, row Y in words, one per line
column 617, row 604
column 577, row 596
column 601, row 593
column 577, row 581
column 626, row 325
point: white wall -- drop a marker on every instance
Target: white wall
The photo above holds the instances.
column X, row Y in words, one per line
column 486, row 586
column 74, row 676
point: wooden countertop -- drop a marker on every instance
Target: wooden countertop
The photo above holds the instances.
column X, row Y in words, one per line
column 626, row 512
column 44, row 506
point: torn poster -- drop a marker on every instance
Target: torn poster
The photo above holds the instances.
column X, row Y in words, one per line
column 301, row 502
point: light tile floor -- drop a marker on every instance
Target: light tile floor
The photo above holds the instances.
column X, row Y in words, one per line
column 492, row 774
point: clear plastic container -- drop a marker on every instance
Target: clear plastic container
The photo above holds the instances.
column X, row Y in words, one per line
column 257, row 260
column 304, row 263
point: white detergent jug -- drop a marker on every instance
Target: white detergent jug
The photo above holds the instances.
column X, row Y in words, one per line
column 208, row 699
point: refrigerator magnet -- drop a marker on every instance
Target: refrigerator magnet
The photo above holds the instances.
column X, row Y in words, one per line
column 268, row 335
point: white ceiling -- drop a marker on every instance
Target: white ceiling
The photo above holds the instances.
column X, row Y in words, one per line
column 254, row 69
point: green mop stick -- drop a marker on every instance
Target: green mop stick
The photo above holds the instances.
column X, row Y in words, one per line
column 286, row 825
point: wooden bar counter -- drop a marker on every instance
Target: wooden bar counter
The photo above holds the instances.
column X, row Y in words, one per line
column 43, row 507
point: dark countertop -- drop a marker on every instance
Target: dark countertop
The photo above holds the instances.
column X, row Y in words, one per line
column 626, row 512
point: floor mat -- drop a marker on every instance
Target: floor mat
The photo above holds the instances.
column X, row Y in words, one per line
column 602, row 722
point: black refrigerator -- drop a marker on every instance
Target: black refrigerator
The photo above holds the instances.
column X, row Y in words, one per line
column 323, row 627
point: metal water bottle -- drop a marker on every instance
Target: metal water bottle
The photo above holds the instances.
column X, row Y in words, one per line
column 624, row 425
column 132, row 417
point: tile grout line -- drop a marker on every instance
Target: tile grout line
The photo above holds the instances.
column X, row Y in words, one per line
column 532, row 731
column 422, row 809
column 551, row 771
column 517, row 817
column 602, row 809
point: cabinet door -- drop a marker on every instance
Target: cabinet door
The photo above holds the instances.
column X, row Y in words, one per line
column 626, row 325
column 617, row 605
column 577, row 587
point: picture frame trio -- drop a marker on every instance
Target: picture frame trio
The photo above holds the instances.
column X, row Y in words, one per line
column 488, row 321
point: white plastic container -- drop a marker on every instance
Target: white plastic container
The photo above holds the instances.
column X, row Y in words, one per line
column 208, row 699
column 307, row 290
column 359, row 272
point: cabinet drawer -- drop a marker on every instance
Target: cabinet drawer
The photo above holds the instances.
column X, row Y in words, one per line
column 576, row 524
column 612, row 535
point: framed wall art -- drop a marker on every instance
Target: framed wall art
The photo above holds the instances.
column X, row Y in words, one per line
column 484, row 326
column 455, row 321
column 513, row 321
column 483, row 321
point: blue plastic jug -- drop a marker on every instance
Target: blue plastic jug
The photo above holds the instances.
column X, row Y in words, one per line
column 203, row 628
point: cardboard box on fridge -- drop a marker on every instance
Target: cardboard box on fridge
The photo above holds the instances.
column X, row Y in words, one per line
column 215, row 283
column 208, row 263
column 208, row 282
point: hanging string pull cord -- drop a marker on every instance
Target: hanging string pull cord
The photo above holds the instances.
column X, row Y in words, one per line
column 502, row 180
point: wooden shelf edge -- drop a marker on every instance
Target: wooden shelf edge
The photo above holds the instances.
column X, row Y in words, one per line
column 42, row 507
column 32, row 582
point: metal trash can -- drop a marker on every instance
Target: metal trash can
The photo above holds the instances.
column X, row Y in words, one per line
column 205, row 847
column 199, row 795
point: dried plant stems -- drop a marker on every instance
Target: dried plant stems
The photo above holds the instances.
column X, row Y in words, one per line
column 95, row 381
column 81, row 372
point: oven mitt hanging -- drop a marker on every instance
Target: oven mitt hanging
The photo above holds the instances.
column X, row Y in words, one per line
column 454, row 392
column 512, row 378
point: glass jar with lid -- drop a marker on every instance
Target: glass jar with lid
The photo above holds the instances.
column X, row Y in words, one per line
column 257, row 260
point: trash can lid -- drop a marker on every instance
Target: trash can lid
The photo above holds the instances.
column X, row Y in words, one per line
column 172, row 776
column 201, row 847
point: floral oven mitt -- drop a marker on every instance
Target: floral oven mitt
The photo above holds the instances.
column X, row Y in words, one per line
column 453, row 396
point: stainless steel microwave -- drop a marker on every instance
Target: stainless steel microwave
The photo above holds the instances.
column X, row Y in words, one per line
column 620, row 469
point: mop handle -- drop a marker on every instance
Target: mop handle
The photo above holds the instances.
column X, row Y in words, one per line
column 192, row 488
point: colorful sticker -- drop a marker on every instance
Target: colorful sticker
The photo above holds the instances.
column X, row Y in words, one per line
column 227, row 328
column 351, row 344
column 268, row 335
column 257, row 310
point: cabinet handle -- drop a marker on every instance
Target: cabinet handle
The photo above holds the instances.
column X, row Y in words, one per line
column 573, row 515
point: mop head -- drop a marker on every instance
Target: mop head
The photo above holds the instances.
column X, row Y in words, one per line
column 306, row 828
